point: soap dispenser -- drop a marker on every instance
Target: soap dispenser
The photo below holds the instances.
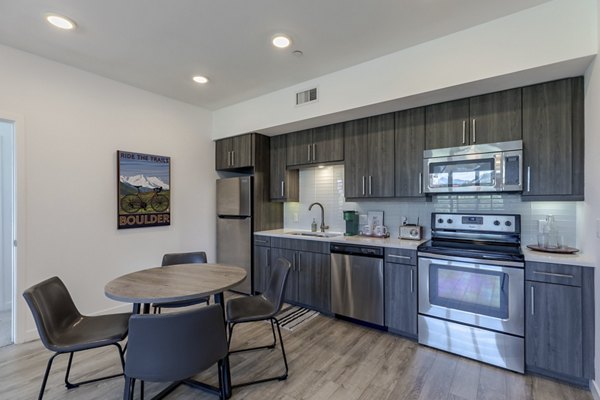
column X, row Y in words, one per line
column 313, row 226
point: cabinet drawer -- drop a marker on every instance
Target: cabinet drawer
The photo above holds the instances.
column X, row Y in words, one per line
column 553, row 273
column 400, row 256
column 315, row 246
column 260, row 240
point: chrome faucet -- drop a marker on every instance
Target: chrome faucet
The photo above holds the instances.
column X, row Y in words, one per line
column 323, row 226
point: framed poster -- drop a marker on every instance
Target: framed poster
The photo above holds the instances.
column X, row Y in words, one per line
column 144, row 191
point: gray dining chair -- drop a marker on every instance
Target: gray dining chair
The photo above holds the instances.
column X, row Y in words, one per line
column 196, row 257
column 63, row 329
column 263, row 307
column 173, row 347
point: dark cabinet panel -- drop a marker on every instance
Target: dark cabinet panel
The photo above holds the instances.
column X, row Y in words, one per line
column 495, row 117
column 283, row 183
column 401, row 298
column 553, row 140
column 328, row 143
column 369, row 157
column 234, row 153
column 223, row 149
column 446, row 124
column 410, row 143
column 291, row 289
column 262, row 268
column 553, row 328
column 314, row 280
column 355, row 158
column 299, row 147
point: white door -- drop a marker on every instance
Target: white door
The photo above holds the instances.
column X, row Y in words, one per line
column 6, row 230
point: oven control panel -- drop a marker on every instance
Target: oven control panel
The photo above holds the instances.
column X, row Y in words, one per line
column 503, row 223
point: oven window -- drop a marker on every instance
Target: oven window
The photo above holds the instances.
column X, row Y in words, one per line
column 462, row 173
column 466, row 289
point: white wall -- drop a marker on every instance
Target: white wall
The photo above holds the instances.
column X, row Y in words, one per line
column 6, row 204
column 547, row 35
column 592, row 187
column 73, row 124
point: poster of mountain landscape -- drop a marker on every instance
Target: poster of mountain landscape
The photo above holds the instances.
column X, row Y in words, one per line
column 144, row 193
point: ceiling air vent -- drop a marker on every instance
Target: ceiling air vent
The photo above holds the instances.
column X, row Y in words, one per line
column 306, row 96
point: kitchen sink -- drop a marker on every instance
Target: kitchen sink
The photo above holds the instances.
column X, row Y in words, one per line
column 315, row 234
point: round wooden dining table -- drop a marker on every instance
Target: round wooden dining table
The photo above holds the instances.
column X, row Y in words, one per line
column 181, row 282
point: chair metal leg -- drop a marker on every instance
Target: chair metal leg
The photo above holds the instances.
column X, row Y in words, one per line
column 48, row 366
column 141, row 390
column 128, row 390
column 221, row 382
column 275, row 378
column 270, row 346
column 70, row 385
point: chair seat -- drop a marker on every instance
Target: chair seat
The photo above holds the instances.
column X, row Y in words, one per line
column 247, row 309
column 182, row 303
column 90, row 332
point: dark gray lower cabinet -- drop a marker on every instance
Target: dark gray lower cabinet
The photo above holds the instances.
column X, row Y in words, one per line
column 291, row 288
column 262, row 268
column 401, row 298
column 559, row 321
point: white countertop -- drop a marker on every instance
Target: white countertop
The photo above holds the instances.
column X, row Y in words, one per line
column 581, row 259
column 371, row 241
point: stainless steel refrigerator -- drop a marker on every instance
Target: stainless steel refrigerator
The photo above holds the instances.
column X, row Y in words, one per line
column 234, row 225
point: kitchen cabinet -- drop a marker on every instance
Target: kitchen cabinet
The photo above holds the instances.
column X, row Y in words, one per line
column 553, row 140
column 284, row 183
column 262, row 263
column 316, row 146
column 234, row 153
column 410, row 143
column 309, row 281
column 489, row 118
column 400, row 282
column 369, row 157
column 559, row 321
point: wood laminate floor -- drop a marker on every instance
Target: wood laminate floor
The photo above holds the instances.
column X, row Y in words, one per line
column 328, row 358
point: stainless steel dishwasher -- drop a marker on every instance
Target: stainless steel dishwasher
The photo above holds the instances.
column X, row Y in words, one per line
column 357, row 282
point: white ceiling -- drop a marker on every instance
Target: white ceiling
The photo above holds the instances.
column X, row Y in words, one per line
column 158, row 45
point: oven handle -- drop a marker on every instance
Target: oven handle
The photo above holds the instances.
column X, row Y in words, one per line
column 434, row 257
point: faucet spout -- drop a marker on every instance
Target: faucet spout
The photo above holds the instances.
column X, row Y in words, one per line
column 323, row 226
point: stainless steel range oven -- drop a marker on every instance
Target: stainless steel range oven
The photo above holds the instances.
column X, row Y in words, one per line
column 471, row 288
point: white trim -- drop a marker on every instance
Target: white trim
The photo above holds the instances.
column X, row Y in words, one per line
column 19, row 233
column 594, row 389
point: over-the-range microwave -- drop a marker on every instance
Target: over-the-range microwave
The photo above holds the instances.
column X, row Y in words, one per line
column 492, row 167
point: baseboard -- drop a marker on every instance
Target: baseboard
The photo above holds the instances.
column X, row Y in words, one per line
column 594, row 389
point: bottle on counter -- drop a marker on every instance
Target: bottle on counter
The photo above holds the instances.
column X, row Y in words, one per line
column 313, row 226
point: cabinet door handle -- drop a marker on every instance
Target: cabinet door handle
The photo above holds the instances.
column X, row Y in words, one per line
column 308, row 154
column 363, row 185
column 412, row 280
column 464, row 132
column 529, row 178
column 402, row 257
column 282, row 189
column 229, row 159
column 261, row 241
column 233, row 158
column 474, row 137
column 569, row 276
column 370, row 185
column 532, row 300
column 269, row 258
column 314, row 146
column 420, row 182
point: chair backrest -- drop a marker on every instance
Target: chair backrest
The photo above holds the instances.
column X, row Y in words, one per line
column 53, row 310
column 175, row 346
column 196, row 257
column 277, row 282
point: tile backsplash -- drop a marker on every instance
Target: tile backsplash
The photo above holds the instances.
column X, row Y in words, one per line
column 326, row 186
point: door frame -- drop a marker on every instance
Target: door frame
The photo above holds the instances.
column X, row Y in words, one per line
column 19, row 256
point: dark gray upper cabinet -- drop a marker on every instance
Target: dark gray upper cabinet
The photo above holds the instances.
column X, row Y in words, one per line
column 447, row 124
column 234, row 153
column 369, row 157
column 489, row 118
column 553, row 138
column 314, row 146
column 495, row 117
column 410, row 143
column 314, row 280
column 283, row 183
column 401, row 298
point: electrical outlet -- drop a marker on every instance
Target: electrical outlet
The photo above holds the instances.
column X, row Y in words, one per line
column 295, row 217
column 542, row 225
column 598, row 228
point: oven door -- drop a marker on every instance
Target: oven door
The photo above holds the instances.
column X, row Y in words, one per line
column 469, row 173
column 475, row 292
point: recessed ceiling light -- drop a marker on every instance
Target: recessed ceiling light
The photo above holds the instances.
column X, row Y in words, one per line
column 281, row 41
column 60, row 22
column 200, row 79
